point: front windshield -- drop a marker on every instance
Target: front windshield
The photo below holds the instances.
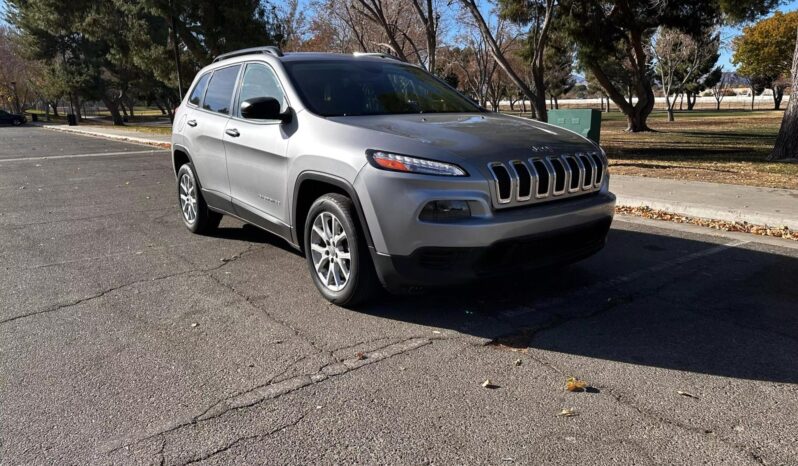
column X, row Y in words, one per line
column 350, row 88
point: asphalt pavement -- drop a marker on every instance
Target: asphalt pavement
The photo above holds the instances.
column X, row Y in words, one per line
column 124, row 339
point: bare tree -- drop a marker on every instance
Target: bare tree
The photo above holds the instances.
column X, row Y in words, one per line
column 540, row 35
column 677, row 56
column 378, row 13
column 430, row 18
column 720, row 89
column 294, row 24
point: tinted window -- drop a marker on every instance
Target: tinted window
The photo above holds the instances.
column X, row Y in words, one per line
column 260, row 81
column 220, row 90
column 199, row 89
column 341, row 88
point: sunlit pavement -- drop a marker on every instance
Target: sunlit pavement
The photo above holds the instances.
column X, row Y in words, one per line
column 125, row 339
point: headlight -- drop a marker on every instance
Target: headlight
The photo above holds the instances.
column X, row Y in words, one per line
column 407, row 164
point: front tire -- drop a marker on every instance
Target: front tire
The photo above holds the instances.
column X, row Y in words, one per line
column 17, row 122
column 336, row 252
column 196, row 215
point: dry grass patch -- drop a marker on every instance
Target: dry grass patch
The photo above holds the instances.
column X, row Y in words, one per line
column 721, row 147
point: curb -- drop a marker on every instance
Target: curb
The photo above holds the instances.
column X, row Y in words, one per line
column 115, row 137
column 708, row 212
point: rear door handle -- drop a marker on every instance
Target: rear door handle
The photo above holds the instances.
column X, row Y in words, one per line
column 192, row 123
column 232, row 132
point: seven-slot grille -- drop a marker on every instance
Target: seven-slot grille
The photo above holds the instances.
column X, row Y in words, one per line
column 545, row 178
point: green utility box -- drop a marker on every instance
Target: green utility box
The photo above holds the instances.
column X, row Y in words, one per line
column 586, row 122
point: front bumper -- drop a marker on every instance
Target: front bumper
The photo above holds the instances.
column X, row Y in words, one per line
column 438, row 266
column 408, row 251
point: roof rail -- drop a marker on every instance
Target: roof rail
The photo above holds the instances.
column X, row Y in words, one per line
column 269, row 50
column 375, row 54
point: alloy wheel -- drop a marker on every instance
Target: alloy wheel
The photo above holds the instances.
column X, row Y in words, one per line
column 330, row 251
column 188, row 197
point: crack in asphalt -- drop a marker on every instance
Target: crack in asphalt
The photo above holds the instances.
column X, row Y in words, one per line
column 275, row 390
column 248, row 438
column 60, row 307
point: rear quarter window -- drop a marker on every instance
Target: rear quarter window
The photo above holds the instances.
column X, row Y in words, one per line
column 199, row 89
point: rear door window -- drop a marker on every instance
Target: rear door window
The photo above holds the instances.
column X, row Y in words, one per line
column 220, row 90
column 196, row 95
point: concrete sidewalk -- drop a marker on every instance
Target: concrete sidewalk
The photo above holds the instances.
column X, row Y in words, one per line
column 731, row 203
column 115, row 133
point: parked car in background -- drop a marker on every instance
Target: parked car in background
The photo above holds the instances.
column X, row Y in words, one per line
column 12, row 118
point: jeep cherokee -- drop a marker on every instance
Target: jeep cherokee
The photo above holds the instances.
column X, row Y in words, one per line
column 380, row 173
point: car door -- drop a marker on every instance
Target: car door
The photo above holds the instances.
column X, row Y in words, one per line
column 205, row 127
column 5, row 117
column 256, row 153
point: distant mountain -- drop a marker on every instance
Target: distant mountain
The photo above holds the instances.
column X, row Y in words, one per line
column 734, row 79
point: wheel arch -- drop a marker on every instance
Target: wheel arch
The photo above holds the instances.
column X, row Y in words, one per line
column 310, row 186
column 180, row 157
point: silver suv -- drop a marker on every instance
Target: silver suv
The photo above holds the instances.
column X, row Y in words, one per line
column 381, row 173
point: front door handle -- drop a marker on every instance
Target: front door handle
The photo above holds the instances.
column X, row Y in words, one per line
column 232, row 132
column 192, row 123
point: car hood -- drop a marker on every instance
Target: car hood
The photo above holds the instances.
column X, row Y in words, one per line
column 472, row 135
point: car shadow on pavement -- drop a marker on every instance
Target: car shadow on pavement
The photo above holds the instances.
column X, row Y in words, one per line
column 252, row 234
column 646, row 299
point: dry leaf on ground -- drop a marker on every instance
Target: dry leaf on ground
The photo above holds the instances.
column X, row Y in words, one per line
column 688, row 395
column 575, row 385
column 360, row 356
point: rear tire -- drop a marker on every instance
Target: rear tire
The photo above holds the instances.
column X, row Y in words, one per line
column 196, row 215
column 336, row 251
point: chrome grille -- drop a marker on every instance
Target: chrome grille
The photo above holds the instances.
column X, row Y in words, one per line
column 544, row 178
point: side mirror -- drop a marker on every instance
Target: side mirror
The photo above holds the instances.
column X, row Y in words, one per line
column 264, row 108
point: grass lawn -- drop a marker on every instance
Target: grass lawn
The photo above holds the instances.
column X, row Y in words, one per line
column 722, row 147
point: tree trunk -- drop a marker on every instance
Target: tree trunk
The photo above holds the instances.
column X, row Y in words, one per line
column 113, row 107
column 691, row 101
column 786, row 147
column 54, row 106
column 636, row 123
column 753, row 98
column 717, row 107
column 669, row 107
column 556, row 103
column 778, row 94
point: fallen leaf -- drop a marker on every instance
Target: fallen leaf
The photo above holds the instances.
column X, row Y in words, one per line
column 436, row 332
column 194, row 324
column 518, row 362
column 568, row 412
column 688, row 395
column 575, row 385
column 360, row 356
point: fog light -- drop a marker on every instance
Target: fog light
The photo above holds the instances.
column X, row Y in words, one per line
column 445, row 211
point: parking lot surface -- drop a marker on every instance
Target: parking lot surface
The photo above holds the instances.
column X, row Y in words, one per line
column 126, row 339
